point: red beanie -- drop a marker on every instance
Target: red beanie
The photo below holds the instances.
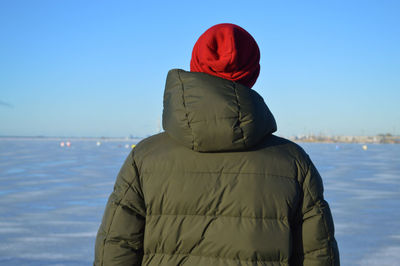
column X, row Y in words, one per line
column 227, row 51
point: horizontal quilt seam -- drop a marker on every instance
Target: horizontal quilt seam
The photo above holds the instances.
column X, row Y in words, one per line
column 231, row 173
column 227, row 216
column 212, row 257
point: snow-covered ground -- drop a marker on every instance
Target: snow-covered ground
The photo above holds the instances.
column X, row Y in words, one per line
column 363, row 190
column 52, row 199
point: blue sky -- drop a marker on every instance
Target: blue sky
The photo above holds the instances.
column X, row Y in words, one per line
column 98, row 68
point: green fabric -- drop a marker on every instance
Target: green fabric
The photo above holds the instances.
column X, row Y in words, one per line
column 216, row 188
column 207, row 113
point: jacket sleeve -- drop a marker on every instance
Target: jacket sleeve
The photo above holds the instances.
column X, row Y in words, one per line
column 314, row 241
column 119, row 240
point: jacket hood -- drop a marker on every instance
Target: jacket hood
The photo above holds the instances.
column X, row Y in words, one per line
column 210, row 114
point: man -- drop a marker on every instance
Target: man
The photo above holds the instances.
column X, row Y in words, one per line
column 217, row 188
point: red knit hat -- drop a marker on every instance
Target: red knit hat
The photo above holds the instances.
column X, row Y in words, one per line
column 227, row 51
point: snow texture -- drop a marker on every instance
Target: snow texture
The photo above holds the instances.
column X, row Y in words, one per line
column 52, row 199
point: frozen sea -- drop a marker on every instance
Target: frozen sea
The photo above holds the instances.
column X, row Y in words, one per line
column 52, row 199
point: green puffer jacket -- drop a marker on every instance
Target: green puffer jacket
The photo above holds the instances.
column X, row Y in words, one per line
column 216, row 188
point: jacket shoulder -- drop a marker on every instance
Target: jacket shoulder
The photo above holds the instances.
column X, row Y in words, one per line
column 152, row 145
column 286, row 150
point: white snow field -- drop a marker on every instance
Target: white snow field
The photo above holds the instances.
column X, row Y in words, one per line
column 52, row 199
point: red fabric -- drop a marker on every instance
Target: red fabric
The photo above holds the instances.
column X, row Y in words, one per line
column 227, row 51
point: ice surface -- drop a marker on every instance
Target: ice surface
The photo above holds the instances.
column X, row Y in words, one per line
column 52, row 199
column 363, row 190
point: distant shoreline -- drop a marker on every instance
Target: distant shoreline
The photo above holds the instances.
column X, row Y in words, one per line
column 71, row 138
column 380, row 139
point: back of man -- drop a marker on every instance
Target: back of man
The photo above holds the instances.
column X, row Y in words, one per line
column 217, row 188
